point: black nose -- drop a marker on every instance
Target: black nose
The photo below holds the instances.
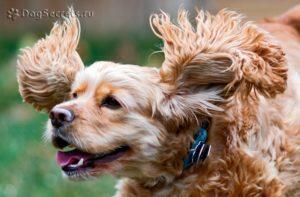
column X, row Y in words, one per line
column 61, row 116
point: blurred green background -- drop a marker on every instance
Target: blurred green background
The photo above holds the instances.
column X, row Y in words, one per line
column 117, row 32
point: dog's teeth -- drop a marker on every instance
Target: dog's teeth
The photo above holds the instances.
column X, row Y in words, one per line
column 80, row 163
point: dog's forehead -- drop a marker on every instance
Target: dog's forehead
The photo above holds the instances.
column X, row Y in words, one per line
column 116, row 75
column 133, row 85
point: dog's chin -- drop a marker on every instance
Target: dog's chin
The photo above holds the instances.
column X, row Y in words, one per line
column 79, row 165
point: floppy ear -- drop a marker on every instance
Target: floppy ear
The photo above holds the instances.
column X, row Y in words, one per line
column 46, row 71
column 217, row 55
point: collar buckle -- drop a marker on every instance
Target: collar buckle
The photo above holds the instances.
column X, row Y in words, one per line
column 199, row 150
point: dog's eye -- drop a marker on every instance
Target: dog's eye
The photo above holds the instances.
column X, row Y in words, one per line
column 111, row 102
column 74, row 95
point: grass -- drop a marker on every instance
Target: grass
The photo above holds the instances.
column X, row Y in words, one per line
column 27, row 165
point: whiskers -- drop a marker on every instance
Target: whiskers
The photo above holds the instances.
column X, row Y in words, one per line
column 78, row 175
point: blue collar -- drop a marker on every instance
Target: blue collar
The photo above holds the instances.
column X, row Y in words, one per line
column 199, row 150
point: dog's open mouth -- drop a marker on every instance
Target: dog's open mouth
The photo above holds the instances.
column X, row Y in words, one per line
column 75, row 160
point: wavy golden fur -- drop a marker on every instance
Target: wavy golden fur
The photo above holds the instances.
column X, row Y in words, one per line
column 242, row 78
column 46, row 71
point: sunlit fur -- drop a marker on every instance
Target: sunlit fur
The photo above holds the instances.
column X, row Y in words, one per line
column 233, row 75
column 46, row 71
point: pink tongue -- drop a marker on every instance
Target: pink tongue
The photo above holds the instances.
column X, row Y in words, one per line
column 67, row 158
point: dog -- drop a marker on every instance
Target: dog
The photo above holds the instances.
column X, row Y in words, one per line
column 219, row 118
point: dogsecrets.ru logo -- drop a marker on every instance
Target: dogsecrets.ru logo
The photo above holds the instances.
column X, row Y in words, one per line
column 14, row 13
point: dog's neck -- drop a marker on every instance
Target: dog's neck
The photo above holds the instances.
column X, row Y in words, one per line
column 227, row 134
column 171, row 166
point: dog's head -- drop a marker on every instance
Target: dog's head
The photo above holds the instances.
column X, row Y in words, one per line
column 135, row 121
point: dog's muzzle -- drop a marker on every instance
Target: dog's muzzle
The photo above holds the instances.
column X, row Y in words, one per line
column 60, row 117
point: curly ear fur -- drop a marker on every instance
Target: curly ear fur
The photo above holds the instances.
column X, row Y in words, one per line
column 46, row 71
column 219, row 49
